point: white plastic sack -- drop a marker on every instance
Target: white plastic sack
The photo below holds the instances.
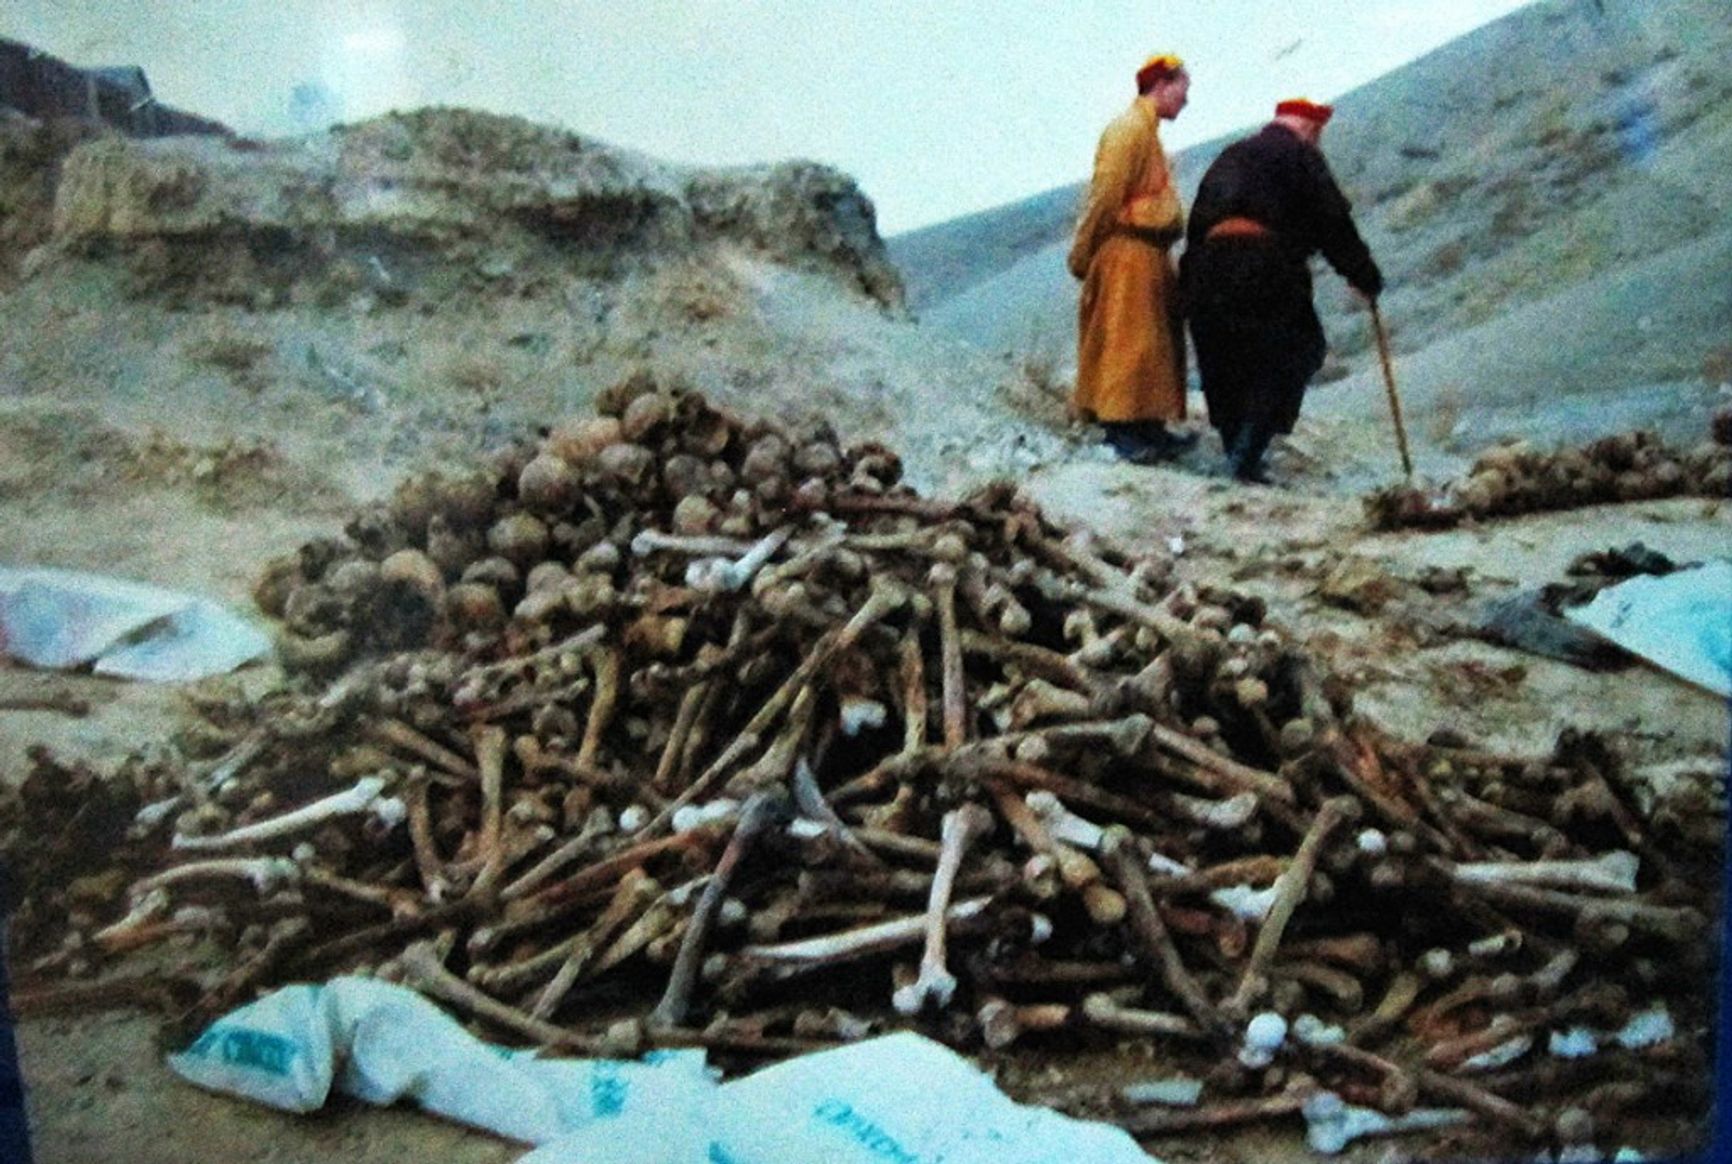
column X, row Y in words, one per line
column 59, row 619
column 1681, row 622
column 899, row 1098
column 382, row 1043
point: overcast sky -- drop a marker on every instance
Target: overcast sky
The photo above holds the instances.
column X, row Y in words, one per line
column 937, row 107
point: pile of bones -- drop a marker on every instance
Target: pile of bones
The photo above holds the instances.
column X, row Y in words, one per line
column 675, row 728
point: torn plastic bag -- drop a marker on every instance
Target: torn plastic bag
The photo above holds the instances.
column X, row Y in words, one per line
column 1680, row 622
column 382, row 1043
column 896, row 1098
column 900, row 1097
column 62, row 619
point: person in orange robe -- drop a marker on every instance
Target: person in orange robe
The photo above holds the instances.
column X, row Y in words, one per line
column 1130, row 336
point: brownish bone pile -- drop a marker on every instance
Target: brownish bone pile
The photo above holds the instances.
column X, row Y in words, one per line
column 1517, row 478
column 679, row 729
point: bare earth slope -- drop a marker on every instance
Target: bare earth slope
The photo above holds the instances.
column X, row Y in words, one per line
column 1563, row 150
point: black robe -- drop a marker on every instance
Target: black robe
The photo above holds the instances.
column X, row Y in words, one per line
column 1248, row 298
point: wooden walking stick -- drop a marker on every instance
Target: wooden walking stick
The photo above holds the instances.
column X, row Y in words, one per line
column 1389, row 383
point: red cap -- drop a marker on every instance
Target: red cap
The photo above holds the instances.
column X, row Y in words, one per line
column 1158, row 68
column 1309, row 110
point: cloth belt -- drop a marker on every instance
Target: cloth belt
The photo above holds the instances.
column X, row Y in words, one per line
column 1153, row 236
column 1238, row 227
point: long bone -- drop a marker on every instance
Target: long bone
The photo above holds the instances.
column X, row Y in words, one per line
column 148, row 909
column 1150, row 932
column 719, row 576
column 636, row 893
column 1224, row 1113
column 885, row 598
column 188, row 919
column 1603, row 1001
column 786, row 960
column 531, row 879
column 435, row 879
column 1038, row 701
column 1398, row 998
column 942, row 579
column 649, row 541
column 960, row 828
column 1673, row 923
column 1218, row 815
column 911, row 667
column 490, row 747
column 1063, row 824
column 756, row 817
column 690, row 703
column 1102, row 1010
column 1290, row 888
column 401, row 736
column 1033, row 659
column 422, row 967
column 809, row 799
column 1226, row 775
column 1331, row 1124
column 1076, row 871
column 1003, row 1023
column 1613, row 872
column 266, row 873
column 366, row 796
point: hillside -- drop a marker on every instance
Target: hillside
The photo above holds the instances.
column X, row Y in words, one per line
column 443, row 280
column 1568, row 148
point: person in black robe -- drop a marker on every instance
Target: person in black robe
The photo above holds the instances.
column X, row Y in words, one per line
column 1265, row 206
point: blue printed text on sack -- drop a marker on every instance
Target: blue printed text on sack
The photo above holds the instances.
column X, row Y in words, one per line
column 866, row 1133
column 241, row 1047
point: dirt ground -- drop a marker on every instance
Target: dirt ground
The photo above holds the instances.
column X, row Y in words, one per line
column 97, row 1088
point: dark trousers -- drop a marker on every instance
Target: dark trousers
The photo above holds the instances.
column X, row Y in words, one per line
column 1256, row 337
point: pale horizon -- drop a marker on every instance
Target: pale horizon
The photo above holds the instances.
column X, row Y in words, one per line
column 938, row 109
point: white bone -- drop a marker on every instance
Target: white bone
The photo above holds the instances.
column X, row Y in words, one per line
column 935, row 982
column 1502, row 1055
column 1167, row 867
column 1314, row 1032
column 1216, row 814
column 147, row 908
column 648, row 541
column 1244, row 901
column 691, row 816
column 875, row 938
column 1331, row 1123
column 1575, row 1043
column 360, row 798
column 266, row 873
column 1614, row 872
column 1062, row 823
column 720, row 575
column 1178, row 1092
column 1648, row 1028
column 1264, row 1035
column 859, row 713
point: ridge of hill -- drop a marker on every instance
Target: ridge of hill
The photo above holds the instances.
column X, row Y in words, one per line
column 442, row 280
column 1561, row 145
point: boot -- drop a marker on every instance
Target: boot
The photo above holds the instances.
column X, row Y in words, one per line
column 1164, row 439
column 1245, row 456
